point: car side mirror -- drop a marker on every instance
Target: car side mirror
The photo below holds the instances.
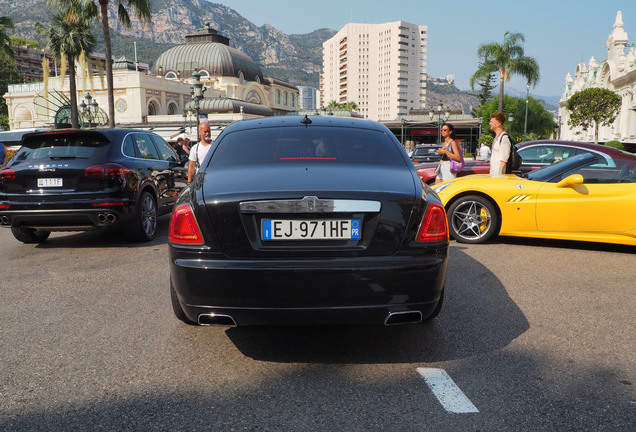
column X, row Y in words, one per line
column 570, row 181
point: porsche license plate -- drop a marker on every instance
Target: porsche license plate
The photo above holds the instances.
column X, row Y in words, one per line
column 284, row 229
column 49, row 182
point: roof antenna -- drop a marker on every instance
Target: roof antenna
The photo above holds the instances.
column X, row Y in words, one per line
column 306, row 121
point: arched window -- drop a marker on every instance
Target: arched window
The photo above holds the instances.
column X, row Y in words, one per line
column 285, row 97
column 171, row 75
column 153, row 109
column 172, row 109
column 277, row 93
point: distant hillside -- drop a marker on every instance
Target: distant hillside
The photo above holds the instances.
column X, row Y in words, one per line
column 295, row 58
column 441, row 90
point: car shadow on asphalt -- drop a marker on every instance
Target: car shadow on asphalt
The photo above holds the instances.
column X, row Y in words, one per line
column 478, row 316
column 565, row 244
column 108, row 238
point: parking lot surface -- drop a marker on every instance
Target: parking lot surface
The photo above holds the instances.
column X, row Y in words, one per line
column 533, row 336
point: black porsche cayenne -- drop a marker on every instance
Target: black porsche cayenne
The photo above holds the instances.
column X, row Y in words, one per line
column 75, row 180
column 297, row 220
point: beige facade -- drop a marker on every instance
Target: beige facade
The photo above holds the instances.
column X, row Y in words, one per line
column 380, row 67
column 616, row 73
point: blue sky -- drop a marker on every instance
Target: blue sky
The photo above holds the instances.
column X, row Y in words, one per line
column 559, row 33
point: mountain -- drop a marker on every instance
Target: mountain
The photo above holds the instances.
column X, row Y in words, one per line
column 444, row 90
column 293, row 58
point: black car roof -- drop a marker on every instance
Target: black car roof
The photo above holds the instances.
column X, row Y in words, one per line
column 110, row 134
column 295, row 121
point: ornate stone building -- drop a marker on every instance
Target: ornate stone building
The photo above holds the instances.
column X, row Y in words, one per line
column 617, row 73
column 235, row 89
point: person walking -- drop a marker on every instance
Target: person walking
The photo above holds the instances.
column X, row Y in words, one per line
column 500, row 145
column 199, row 150
column 450, row 150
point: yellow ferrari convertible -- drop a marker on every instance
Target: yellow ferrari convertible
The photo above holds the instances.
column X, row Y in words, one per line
column 587, row 197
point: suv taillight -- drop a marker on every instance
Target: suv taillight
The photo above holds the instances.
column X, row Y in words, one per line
column 184, row 228
column 434, row 225
column 105, row 170
column 7, row 174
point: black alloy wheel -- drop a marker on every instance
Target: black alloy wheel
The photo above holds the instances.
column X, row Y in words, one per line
column 144, row 227
column 30, row 235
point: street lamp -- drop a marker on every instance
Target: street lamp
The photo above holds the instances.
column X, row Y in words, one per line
column 511, row 117
column 441, row 118
column 402, row 139
column 525, row 121
column 196, row 92
column 89, row 109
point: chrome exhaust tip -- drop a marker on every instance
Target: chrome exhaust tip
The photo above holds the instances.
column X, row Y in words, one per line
column 5, row 220
column 101, row 217
column 216, row 320
column 405, row 317
column 111, row 218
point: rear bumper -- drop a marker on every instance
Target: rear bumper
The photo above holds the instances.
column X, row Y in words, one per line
column 309, row 291
column 75, row 219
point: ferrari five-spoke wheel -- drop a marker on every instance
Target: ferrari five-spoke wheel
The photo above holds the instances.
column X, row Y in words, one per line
column 144, row 227
column 472, row 219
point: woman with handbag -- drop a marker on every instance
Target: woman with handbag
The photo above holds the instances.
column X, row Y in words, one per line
column 451, row 155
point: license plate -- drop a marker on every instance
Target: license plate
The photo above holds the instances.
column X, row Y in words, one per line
column 285, row 229
column 49, row 182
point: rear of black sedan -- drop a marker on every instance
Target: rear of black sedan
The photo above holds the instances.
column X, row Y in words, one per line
column 307, row 221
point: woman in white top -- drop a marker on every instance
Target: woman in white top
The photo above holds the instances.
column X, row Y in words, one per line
column 450, row 150
column 500, row 145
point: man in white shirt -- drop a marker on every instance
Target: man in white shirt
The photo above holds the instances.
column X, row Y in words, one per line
column 484, row 152
column 500, row 145
column 199, row 150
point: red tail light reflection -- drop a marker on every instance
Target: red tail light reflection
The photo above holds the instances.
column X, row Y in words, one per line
column 7, row 174
column 184, row 228
column 104, row 170
column 434, row 225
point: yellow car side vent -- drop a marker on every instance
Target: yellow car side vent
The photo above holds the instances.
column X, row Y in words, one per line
column 519, row 198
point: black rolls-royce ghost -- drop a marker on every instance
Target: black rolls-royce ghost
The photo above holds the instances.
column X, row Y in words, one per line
column 75, row 180
column 307, row 220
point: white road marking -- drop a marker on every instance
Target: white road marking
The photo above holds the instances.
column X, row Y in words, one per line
column 446, row 391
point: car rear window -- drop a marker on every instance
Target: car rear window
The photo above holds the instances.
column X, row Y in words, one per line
column 315, row 144
column 62, row 146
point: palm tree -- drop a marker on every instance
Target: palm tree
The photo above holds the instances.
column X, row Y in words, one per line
column 508, row 59
column 142, row 9
column 68, row 34
column 6, row 23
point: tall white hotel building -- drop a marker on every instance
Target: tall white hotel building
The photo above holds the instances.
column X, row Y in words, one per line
column 380, row 67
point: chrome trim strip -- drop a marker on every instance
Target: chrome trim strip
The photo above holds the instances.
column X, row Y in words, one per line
column 310, row 204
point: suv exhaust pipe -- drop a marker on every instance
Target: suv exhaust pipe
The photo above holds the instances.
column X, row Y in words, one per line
column 216, row 320
column 406, row 317
column 5, row 220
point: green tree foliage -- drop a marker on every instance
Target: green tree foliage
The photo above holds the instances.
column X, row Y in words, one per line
column 616, row 144
column 6, row 25
column 4, row 122
column 141, row 8
column 488, row 139
column 9, row 74
column 540, row 121
column 593, row 107
column 485, row 83
column 69, row 34
column 508, row 58
column 349, row 106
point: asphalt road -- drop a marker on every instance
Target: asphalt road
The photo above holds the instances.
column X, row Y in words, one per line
column 534, row 336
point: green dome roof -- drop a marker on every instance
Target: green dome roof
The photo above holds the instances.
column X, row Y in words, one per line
column 209, row 51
